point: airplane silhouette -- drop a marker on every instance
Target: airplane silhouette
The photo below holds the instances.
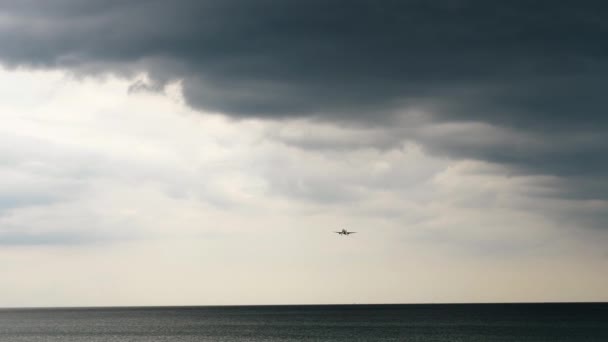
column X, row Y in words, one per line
column 344, row 232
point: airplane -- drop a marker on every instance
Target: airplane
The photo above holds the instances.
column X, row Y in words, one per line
column 344, row 232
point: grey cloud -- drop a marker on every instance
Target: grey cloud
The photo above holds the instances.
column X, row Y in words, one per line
column 21, row 200
column 44, row 239
column 141, row 86
column 538, row 68
column 300, row 58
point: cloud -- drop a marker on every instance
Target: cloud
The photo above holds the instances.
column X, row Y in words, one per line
column 351, row 58
column 464, row 79
column 44, row 239
column 142, row 192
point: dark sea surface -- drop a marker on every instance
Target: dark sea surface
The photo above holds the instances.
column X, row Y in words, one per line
column 438, row 322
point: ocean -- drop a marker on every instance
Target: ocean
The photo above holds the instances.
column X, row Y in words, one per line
column 415, row 323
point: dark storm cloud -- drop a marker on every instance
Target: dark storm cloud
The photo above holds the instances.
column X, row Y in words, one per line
column 534, row 67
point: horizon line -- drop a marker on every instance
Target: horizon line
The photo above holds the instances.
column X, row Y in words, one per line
column 286, row 305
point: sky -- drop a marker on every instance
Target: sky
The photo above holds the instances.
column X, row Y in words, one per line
column 204, row 152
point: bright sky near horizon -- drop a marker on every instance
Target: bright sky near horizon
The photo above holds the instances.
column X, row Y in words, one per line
column 171, row 167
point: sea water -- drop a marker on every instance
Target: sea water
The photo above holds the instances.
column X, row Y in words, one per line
column 441, row 322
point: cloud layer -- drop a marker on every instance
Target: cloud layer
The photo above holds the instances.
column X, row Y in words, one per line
column 465, row 136
column 269, row 58
column 513, row 83
column 111, row 198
